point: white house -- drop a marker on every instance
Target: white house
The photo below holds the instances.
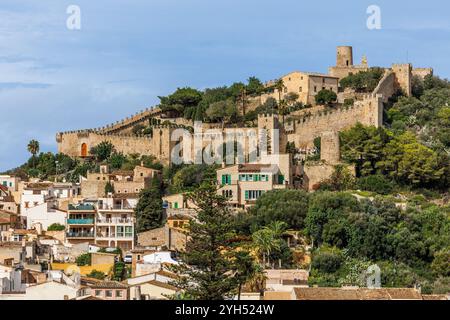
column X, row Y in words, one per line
column 46, row 215
column 45, row 291
column 10, row 280
column 159, row 257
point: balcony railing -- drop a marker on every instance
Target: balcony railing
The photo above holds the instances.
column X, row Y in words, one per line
column 80, row 235
column 81, row 207
column 80, row 221
column 113, row 235
column 115, row 207
column 114, row 220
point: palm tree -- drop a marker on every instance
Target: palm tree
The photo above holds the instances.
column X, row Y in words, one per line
column 278, row 228
column 263, row 240
column 256, row 281
column 268, row 239
column 280, row 86
column 33, row 148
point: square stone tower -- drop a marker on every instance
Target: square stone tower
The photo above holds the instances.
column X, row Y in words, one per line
column 403, row 77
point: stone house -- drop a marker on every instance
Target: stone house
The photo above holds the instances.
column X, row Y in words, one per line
column 244, row 183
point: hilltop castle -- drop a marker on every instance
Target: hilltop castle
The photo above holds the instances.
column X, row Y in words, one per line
column 301, row 128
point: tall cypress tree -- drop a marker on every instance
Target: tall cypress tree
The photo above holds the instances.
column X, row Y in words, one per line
column 149, row 210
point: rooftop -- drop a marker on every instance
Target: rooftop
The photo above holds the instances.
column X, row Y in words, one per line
column 357, row 294
column 109, row 285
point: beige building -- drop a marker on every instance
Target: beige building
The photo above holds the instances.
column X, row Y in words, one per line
column 115, row 221
column 178, row 204
column 7, row 202
column 305, row 84
column 169, row 238
column 123, row 181
column 243, row 184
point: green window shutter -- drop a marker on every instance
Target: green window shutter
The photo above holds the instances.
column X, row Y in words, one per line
column 175, row 205
column 224, row 179
column 246, row 194
column 228, row 178
column 280, row 179
column 257, row 177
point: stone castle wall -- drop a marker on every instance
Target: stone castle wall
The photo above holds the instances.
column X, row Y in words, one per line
column 386, row 87
column 303, row 131
column 72, row 143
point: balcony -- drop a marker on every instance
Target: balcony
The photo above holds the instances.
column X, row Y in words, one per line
column 104, row 235
column 80, row 221
column 81, row 207
column 115, row 220
column 80, row 234
column 115, row 207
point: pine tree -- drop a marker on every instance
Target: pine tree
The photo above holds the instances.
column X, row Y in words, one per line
column 210, row 269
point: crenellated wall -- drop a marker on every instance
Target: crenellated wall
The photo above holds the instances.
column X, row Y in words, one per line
column 302, row 131
column 73, row 143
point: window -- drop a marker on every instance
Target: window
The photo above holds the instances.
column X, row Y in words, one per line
column 280, row 179
column 300, row 89
column 109, row 293
column 253, row 194
column 27, row 204
column 323, row 80
column 142, row 174
column 264, row 177
column 98, row 293
column 323, row 88
column 119, row 231
column 315, row 88
column 119, row 293
column 227, row 193
column 226, row 179
column 128, row 231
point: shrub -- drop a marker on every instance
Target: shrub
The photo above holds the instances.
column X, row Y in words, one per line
column 327, row 262
column 83, row 260
column 97, row 275
column 375, row 183
column 56, row 227
column 326, row 97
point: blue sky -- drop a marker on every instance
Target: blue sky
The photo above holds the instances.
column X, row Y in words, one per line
column 130, row 51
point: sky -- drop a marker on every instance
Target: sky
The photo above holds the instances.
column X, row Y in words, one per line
column 129, row 52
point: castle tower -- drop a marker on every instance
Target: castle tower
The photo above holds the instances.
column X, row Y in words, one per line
column 344, row 56
column 403, row 77
column 329, row 147
column 270, row 122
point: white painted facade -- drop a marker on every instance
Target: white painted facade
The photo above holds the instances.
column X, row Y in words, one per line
column 45, row 215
